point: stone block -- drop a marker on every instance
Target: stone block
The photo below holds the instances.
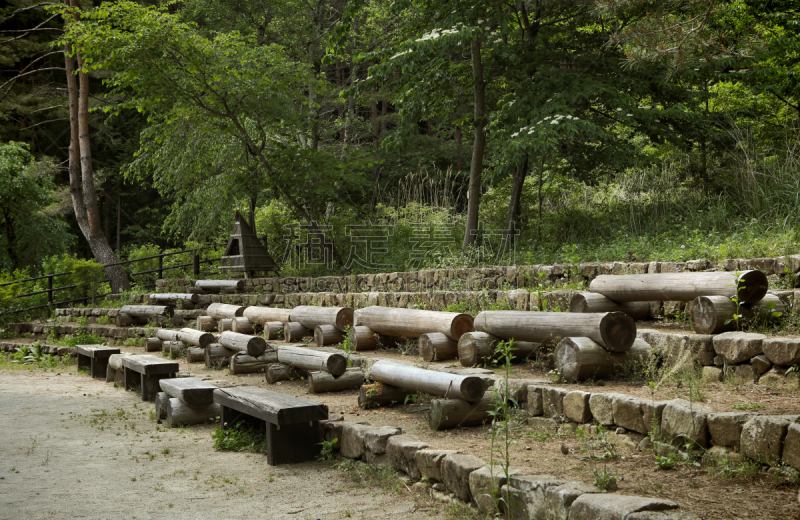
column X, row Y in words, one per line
column 742, row 374
column 762, row 438
column 352, row 441
column 559, row 499
column 429, row 463
column 401, row 450
column 663, row 515
column 576, row 407
column 652, row 412
column 712, row 374
column 455, row 469
column 553, row 401
column 791, row 446
column 602, row 408
column 535, row 403
column 778, row 378
column 738, row 347
column 485, row 487
column 600, row 506
column 375, row 439
column 543, row 424
column 761, row 363
column 527, row 495
column 725, row 428
column 683, row 422
column 627, row 412
column 378, row 460
column 782, row 351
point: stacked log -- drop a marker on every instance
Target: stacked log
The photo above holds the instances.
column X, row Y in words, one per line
column 715, row 314
column 172, row 299
column 381, row 394
column 594, row 302
column 114, row 371
column 363, row 338
column 435, row 346
column 310, row 359
column 195, row 354
column 126, row 320
column 273, row 330
column 468, row 388
column 581, row 358
column 242, row 325
column 413, row 323
column 277, row 372
column 476, row 347
column 195, row 337
column 174, row 349
column 206, row 323
column 146, row 311
column 216, row 356
column 319, row 381
column 161, row 405
column 253, row 345
column 223, row 310
column 261, row 315
column 749, row 287
column 449, row 413
column 295, row 331
column 167, row 335
column 311, row 316
column 179, row 414
column 615, row 331
column 191, row 401
column 327, row 335
column 224, row 324
column 215, row 286
column 152, row 345
column 242, row 363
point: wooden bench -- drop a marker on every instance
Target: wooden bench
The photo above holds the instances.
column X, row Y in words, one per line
column 145, row 371
column 292, row 423
column 95, row 357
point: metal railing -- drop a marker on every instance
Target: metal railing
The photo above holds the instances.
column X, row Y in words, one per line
column 195, row 264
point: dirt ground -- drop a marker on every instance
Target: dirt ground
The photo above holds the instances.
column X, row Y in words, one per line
column 74, row 447
column 706, row 491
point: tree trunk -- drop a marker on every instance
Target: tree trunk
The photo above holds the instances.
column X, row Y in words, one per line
column 449, row 413
column 215, row 286
column 224, row 310
column 614, row 331
column 146, row 311
column 195, row 337
column 469, row 388
column 513, row 204
column 242, row 326
column 475, row 347
column 437, row 346
column 710, row 313
column 478, row 148
column 593, row 302
column 459, row 159
column 273, row 330
column 223, row 324
column 750, row 287
column 253, row 345
column 242, row 363
column 309, row 359
column 167, row 335
column 195, row 354
column 282, row 372
column 217, row 356
column 413, row 323
column 262, row 315
column 310, row 316
column 319, row 382
column 363, row 338
column 294, row 331
column 327, row 335
column 152, row 345
column 581, row 358
column 206, row 323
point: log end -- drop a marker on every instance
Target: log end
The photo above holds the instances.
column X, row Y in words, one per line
column 336, row 364
column 425, row 348
column 578, row 304
column 568, row 360
column 704, row 315
column 472, row 388
column 752, row 286
column 618, row 331
column 345, row 318
column 462, row 324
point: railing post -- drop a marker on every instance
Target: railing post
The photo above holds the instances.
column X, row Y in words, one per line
column 160, row 266
column 50, row 290
column 196, row 264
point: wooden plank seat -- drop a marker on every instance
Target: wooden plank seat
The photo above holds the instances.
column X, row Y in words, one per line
column 145, row 371
column 292, row 422
column 95, row 357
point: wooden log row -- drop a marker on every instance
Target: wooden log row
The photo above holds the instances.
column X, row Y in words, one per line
column 381, row 394
column 262, row 315
column 126, row 320
column 715, row 314
column 615, row 331
column 435, row 346
column 273, row 330
column 469, row 388
column 146, row 311
column 594, row 302
column 195, row 354
column 253, row 345
column 195, row 337
column 174, row 349
column 327, row 335
column 310, row 359
column 749, row 287
column 480, row 347
column 242, row 325
column 413, row 323
column 206, row 324
column 172, row 299
column 152, row 345
column 241, row 363
column 224, row 324
column 295, row 331
column 578, row 359
column 450, row 413
column 281, row 372
column 319, row 382
column 224, row 310
column 217, row 356
column 167, row 335
column 311, row 316
column 215, row 286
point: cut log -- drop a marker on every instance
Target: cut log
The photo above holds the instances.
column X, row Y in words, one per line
column 413, row 323
column 594, row 302
column 449, row 413
column 172, row 298
column 242, row 326
column 469, row 388
column 167, row 335
column 524, row 350
column 294, row 331
column 280, row 372
column 206, row 323
column 195, row 354
column 152, row 345
column 581, row 358
column 436, row 346
column 613, row 330
column 224, row 324
column 310, row 359
column 190, row 390
column 215, row 286
column 262, row 315
column 476, row 347
column 273, row 330
column 242, row 363
column 311, row 316
column 146, row 311
column 381, row 394
column 710, row 313
column 179, row 414
column 224, row 310
column 750, row 287
column 253, row 345
column 126, row 320
column 319, row 382
column 363, row 338
column 195, row 337
column 161, row 406
column 327, row 335
column 217, row 356
column 174, row 349
column 115, row 360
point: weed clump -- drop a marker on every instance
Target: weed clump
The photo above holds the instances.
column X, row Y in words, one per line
column 242, row 436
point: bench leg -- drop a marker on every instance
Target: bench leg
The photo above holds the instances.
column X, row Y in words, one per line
column 150, row 385
column 299, row 442
column 98, row 367
column 84, row 361
column 131, row 378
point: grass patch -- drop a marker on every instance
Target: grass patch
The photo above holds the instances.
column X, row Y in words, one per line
column 242, row 436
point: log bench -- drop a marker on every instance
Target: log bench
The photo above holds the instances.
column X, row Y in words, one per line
column 95, row 357
column 292, row 423
column 145, row 371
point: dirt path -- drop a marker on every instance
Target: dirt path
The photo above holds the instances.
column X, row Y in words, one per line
column 74, row 447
